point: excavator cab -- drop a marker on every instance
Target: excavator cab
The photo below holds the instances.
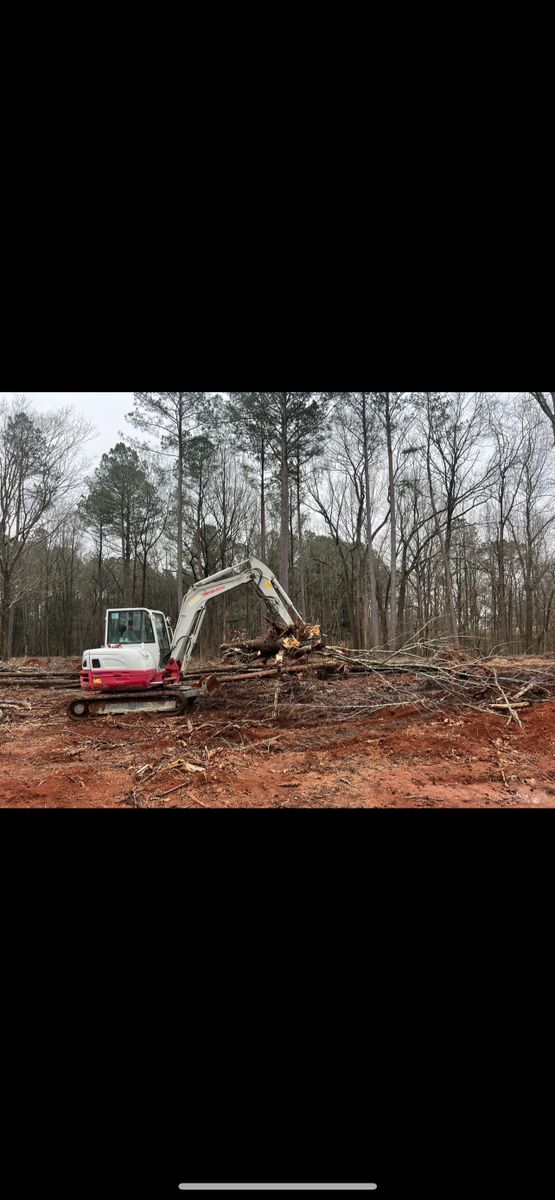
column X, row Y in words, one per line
column 137, row 648
column 130, row 626
column 139, row 625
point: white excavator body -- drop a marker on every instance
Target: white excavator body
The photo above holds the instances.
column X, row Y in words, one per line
column 137, row 647
column 141, row 652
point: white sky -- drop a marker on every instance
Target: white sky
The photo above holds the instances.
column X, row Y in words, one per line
column 106, row 410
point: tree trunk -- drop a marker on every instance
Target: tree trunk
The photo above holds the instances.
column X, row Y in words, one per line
column 101, row 579
column 528, row 586
column 323, row 589
column 263, row 502
column 402, row 602
column 501, row 569
column 11, row 620
column 547, row 620
column 126, row 565
column 302, row 577
column 284, row 474
column 180, row 454
column 263, row 523
column 5, row 613
column 359, row 596
column 393, row 503
column 541, row 398
column 374, row 611
column 501, row 588
column 143, row 586
column 134, row 581
column 450, row 596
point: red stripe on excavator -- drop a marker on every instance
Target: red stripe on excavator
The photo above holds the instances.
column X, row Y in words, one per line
column 124, row 681
column 118, row 681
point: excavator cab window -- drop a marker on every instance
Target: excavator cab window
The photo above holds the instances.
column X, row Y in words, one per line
column 129, row 627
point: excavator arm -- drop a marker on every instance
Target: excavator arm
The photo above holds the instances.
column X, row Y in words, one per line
column 193, row 609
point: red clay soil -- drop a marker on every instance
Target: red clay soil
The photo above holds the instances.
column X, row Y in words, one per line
column 232, row 751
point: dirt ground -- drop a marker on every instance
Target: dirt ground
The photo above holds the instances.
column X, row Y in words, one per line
column 244, row 747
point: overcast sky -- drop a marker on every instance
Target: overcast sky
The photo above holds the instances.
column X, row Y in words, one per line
column 106, row 410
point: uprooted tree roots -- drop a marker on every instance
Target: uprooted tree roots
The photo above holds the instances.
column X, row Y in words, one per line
column 277, row 646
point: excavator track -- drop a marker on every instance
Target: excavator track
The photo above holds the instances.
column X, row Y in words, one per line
column 169, row 702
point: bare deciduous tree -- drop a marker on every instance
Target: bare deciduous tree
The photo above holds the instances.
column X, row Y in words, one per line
column 39, row 467
column 546, row 401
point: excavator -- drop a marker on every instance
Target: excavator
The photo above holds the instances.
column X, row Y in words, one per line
column 141, row 666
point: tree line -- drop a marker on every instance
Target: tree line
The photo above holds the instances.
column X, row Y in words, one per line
column 393, row 518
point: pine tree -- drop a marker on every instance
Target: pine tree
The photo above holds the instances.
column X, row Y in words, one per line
column 291, row 425
column 249, row 415
column 174, row 417
column 117, row 490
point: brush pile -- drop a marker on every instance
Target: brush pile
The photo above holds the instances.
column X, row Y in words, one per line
column 276, row 647
column 504, row 686
column 427, row 677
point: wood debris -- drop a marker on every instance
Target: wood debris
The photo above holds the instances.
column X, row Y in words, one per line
column 277, row 645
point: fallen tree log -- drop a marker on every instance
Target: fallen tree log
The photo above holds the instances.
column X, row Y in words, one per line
column 270, row 673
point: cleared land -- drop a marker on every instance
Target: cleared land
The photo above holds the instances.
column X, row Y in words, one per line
column 307, row 743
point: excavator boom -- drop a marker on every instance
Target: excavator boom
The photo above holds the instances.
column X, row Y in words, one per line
column 193, row 609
